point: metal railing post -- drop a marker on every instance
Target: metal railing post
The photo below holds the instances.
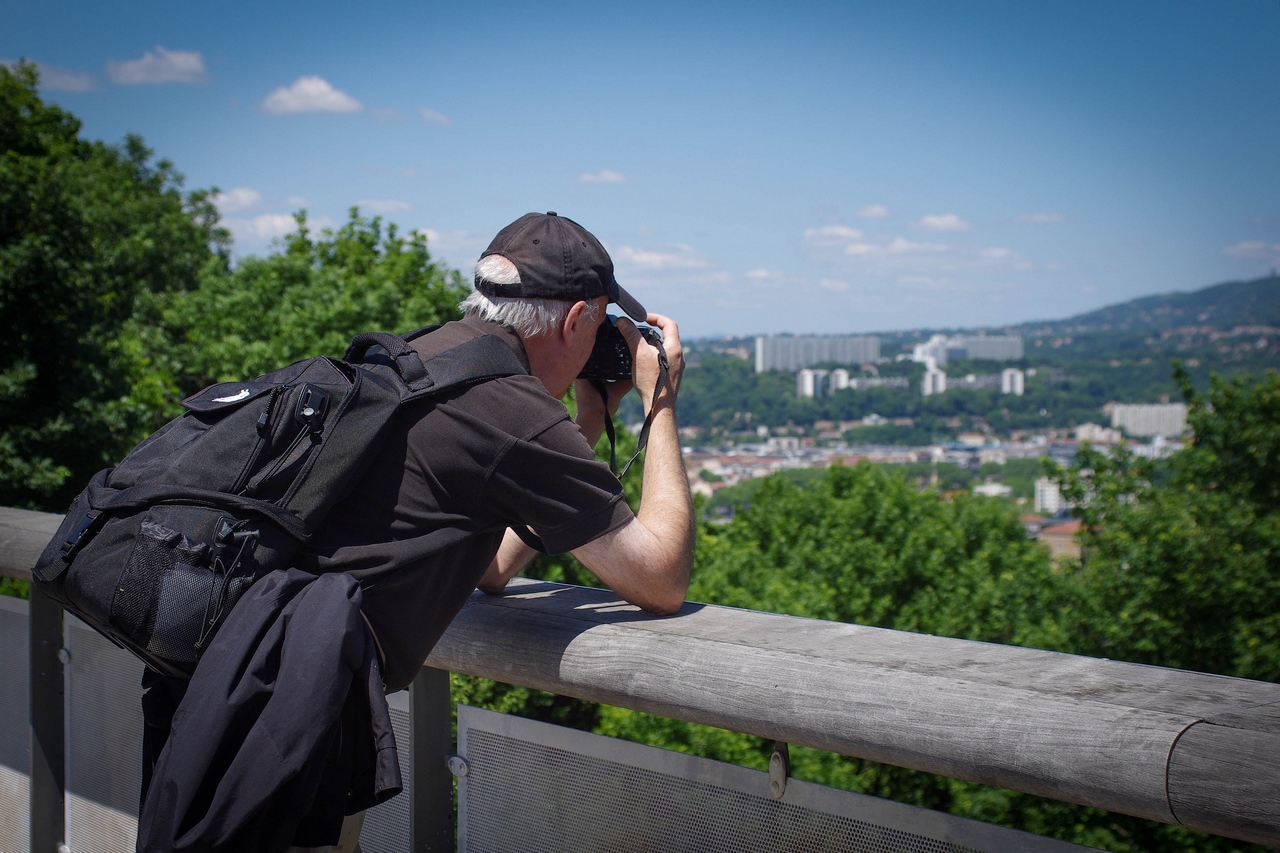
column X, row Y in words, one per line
column 431, row 810
column 48, row 730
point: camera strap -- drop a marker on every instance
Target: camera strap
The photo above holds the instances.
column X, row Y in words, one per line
column 603, row 389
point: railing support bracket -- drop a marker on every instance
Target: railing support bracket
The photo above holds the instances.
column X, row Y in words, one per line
column 779, row 770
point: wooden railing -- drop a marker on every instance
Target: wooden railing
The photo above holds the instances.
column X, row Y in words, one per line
column 1168, row 745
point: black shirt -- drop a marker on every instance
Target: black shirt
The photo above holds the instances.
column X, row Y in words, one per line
column 422, row 525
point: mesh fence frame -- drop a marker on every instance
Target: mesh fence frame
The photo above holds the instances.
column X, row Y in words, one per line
column 539, row 788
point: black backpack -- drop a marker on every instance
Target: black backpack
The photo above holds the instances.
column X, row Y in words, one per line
column 155, row 552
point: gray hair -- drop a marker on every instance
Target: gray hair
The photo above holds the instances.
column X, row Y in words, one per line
column 529, row 317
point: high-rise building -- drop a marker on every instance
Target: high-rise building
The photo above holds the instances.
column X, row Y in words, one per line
column 809, row 383
column 793, row 353
column 1049, row 498
column 934, row 382
column 1165, row 419
column 987, row 347
column 1012, row 381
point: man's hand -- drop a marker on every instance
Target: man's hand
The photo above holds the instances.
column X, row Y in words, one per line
column 592, row 407
column 648, row 560
column 644, row 359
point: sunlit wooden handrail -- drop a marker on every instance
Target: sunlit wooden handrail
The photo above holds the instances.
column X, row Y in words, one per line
column 1167, row 745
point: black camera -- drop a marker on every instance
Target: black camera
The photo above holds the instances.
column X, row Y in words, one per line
column 610, row 357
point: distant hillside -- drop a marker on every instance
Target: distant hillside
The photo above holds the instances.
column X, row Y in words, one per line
column 1222, row 306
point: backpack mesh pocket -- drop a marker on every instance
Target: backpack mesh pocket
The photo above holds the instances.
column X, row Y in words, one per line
column 176, row 587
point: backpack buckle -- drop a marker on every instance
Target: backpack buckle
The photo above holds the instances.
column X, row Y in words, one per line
column 77, row 536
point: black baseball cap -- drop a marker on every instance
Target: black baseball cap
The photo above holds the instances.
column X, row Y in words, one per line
column 557, row 259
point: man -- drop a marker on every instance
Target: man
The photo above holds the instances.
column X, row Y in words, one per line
column 432, row 517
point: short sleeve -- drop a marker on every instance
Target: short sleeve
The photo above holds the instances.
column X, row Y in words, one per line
column 553, row 483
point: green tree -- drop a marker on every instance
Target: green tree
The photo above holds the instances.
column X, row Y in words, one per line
column 1181, row 562
column 308, row 298
column 864, row 545
column 86, row 231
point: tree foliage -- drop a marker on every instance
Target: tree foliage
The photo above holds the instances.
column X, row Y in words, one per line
column 86, row 231
column 309, row 298
column 1181, row 562
column 118, row 298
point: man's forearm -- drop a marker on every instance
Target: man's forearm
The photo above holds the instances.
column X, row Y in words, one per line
column 666, row 508
column 513, row 555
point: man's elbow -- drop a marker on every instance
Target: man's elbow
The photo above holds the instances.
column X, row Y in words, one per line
column 667, row 606
column 491, row 587
column 667, row 598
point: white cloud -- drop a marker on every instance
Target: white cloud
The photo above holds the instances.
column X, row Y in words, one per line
column 261, row 229
column 923, row 281
column 237, row 200
column 310, row 95
column 833, row 284
column 295, row 201
column 160, row 66
column 874, row 211
column 429, row 115
column 1254, row 250
column 681, row 257
column 460, row 247
column 943, row 222
column 897, row 247
column 759, row 274
column 57, row 79
column 883, row 254
column 1041, row 218
column 831, row 235
column 384, row 207
column 274, row 225
column 604, row 176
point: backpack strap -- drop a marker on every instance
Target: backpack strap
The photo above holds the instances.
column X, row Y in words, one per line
column 476, row 360
column 107, row 500
column 485, row 357
column 402, row 357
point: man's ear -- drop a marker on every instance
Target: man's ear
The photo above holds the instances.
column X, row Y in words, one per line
column 575, row 323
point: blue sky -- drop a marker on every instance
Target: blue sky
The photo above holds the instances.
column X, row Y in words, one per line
column 752, row 167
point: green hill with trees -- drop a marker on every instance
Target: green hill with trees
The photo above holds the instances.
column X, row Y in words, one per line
column 1124, row 353
column 117, row 297
column 1222, row 307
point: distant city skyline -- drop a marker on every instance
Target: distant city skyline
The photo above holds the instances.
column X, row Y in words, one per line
column 813, row 168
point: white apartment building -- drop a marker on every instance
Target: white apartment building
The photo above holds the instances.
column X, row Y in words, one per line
column 1012, row 381
column 1164, row 419
column 861, row 383
column 1049, row 500
column 839, row 379
column 989, row 347
column 934, row 382
column 787, row 352
column 1096, row 434
column 809, row 383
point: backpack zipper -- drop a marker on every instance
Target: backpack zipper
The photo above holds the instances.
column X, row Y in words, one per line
column 313, row 405
column 264, row 431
